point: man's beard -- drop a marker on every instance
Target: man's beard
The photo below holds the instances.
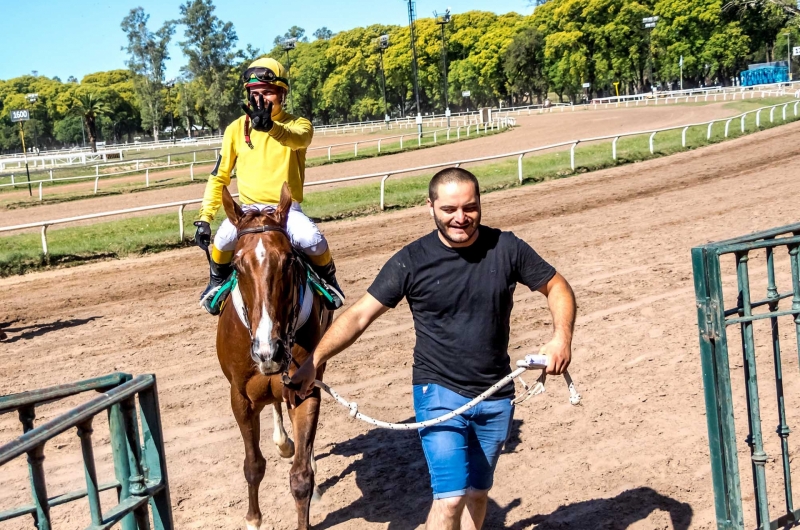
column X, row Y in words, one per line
column 470, row 229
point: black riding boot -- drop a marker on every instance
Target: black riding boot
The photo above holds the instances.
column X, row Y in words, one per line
column 219, row 273
column 328, row 275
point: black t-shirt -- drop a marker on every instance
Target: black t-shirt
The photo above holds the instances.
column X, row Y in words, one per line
column 461, row 301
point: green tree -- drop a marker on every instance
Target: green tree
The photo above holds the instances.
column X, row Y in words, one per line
column 147, row 62
column 323, row 33
column 524, row 67
column 210, row 48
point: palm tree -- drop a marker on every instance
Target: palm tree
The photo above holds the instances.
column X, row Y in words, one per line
column 90, row 107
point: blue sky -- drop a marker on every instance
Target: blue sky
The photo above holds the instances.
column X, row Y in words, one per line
column 77, row 37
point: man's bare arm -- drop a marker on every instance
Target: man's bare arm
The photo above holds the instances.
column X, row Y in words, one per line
column 561, row 300
column 343, row 332
column 348, row 328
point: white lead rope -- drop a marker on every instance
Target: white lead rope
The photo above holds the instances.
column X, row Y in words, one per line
column 531, row 362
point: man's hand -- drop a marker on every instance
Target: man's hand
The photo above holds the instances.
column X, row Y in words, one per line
column 260, row 114
column 203, row 234
column 302, row 381
column 560, row 354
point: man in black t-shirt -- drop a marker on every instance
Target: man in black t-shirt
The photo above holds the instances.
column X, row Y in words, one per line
column 459, row 282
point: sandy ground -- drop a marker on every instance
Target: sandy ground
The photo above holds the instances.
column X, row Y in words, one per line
column 534, row 130
column 633, row 456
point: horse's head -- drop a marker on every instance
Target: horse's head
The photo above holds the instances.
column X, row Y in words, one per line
column 268, row 276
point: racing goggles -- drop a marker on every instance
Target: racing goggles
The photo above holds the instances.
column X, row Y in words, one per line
column 261, row 74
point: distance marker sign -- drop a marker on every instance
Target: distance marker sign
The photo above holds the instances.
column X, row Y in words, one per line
column 20, row 115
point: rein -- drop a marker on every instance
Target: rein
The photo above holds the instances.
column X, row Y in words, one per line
column 291, row 332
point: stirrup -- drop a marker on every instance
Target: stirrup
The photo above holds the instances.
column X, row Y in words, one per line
column 213, row 298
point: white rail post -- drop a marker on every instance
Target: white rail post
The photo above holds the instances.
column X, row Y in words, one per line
column 683, row 136
column 652, row 147
column 468, row 126
column 727, row 125
column 784, row 111
column 191, row 171
column 401, row 142
column 519, row 167
column 96, row 183
column 180, row 220
column 614, row 148
column 137, row 164
column 147, row 177
column 379, row 145
column 194, row 156
column 355, row 150
column 434, row 136
column 572, row 156
column 784, row 117
column 40, row 190
column 169, row 158
column 329, row 152
column 708, row 134
column 771, row 114
column 458, row 131
column 44, row 240
column 419, row 140
column 795, row 107
column 97, row 170
column 448, row 135
column 758, row 118
column 742, row 121
column 383, row 191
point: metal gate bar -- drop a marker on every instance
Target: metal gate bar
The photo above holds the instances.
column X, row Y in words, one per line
column 713, row 321
column 140, row 468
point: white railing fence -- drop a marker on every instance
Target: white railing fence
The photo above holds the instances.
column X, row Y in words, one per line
column 496, row 125
column 384, row 176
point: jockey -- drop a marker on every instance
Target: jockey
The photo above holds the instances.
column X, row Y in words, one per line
column 268, row 147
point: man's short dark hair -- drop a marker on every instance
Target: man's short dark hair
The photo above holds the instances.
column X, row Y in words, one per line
column 448, row 175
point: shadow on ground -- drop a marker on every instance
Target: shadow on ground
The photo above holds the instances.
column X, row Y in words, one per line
column 393, row 478
column 37, row 330
column 616, row 513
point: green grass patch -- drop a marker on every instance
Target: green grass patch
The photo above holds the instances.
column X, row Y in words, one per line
column 113, row 239
column 111, row 186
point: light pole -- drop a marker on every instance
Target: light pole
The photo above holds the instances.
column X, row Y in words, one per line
column 383, row 43
column 442, row 21
column 650, row 23
column 33, row 98
column 289, row 44
column 169, row 84
column 412, row 16
column 788, row 55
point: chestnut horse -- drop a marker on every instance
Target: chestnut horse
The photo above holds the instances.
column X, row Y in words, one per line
column 258, row 350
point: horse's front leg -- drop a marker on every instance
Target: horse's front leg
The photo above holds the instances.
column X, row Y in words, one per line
column 255, row 464
column 301, row 477
column 284, row 444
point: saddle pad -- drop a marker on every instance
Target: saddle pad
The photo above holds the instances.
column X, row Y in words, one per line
column 305, row 309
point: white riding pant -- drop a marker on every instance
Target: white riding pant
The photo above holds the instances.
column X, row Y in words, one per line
column 303, row 233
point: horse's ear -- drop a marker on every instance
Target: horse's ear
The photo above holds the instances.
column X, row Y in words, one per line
column 232, row 210
column 285, row 205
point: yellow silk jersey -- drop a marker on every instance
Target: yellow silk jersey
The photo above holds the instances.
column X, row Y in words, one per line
column 276, row 157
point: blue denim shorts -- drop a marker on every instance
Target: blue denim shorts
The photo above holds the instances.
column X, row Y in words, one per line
column 463, row 451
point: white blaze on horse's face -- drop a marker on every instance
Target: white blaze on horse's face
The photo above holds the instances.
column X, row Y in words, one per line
column 265, row 346
column 261, row 252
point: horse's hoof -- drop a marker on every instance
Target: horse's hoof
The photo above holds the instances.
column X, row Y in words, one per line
column 252, row 525
column 286, row 451
column 317, row 495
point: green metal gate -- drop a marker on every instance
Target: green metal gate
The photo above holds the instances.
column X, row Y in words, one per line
column 713, row 319
column 139, row 462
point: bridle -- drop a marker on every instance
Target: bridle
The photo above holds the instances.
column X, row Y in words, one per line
column 289, row 340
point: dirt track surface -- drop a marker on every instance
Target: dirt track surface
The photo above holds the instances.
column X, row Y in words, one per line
column 633, row 456
column 535, row 130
